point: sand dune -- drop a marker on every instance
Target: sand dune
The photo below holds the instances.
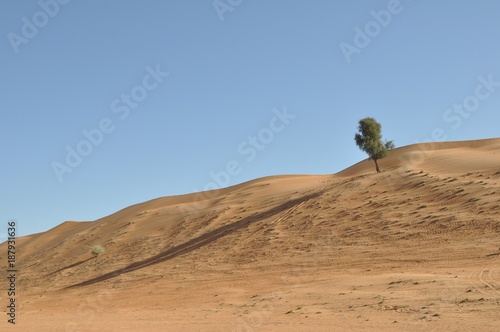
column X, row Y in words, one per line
column 414, row 248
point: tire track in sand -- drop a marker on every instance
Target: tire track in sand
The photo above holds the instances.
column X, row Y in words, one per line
column 485, row 282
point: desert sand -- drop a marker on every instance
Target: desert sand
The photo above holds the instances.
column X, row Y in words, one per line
column 414, row 248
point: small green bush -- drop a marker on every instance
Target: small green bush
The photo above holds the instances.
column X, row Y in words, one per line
column 97, row 250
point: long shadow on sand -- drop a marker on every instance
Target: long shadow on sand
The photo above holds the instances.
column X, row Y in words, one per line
column 69, row 266
column 200, row 241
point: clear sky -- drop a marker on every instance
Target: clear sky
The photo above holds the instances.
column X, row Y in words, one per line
column 110, row 103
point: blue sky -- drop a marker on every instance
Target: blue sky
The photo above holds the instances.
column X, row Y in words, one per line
column 295, row 75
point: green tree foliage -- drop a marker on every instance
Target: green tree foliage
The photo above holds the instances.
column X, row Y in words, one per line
column 369, row 139
column 97, row 250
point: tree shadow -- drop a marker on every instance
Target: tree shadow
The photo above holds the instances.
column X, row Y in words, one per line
column 69, row 266
column 199, row 242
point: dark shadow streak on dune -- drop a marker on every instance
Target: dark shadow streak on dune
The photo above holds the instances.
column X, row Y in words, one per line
column 69, row 266
column 199, row 242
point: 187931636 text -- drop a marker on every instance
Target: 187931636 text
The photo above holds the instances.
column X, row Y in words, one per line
column 11, row 271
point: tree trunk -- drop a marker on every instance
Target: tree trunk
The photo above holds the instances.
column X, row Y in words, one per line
column 376, row 164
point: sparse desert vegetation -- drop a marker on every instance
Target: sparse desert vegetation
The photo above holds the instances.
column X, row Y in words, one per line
column 413, row 248
column 97, row 250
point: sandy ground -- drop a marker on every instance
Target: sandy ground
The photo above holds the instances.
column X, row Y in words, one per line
column 415, row 248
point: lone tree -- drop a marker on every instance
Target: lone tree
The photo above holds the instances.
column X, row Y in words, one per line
column 369, row 139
